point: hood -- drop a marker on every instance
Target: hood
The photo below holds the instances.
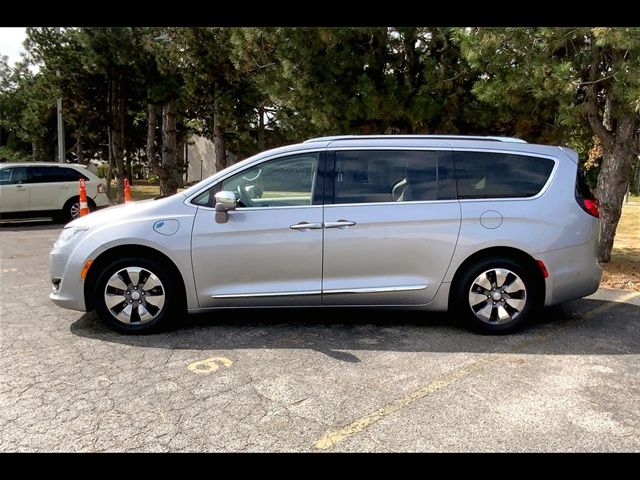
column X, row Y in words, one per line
column 125, row 211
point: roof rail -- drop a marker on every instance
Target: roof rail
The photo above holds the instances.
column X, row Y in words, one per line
column 410, row 137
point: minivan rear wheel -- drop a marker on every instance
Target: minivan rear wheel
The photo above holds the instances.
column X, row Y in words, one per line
column 496, row 295
column 136, row 296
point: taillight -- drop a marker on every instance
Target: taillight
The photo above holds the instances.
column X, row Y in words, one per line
column 100, row 188
column 590, row 206
column 543, row 268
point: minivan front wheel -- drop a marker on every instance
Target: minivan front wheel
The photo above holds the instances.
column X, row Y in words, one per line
column 135, row 295
column 496, row 295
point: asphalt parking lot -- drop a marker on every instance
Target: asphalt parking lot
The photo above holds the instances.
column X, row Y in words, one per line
column 310, row 380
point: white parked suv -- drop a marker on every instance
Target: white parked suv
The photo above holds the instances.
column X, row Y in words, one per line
column 44, row 189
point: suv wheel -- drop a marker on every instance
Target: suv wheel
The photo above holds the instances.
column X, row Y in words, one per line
column 71, row 209
column 496, row 295
column 136, row 295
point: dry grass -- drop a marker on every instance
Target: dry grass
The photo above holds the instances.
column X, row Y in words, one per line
column 623, row 271
column 144, row 192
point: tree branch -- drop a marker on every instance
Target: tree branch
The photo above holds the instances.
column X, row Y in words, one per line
column 454, row 77
column 593, row 82
column 260, row 67
column 593, row 116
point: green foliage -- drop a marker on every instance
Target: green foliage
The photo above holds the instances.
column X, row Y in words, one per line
column 102, row 170
column 525, row 82
column 8, row 154
column 544, row 74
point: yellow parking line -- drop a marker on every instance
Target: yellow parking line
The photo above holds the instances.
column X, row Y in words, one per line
column 357, row 426
column 362, row 423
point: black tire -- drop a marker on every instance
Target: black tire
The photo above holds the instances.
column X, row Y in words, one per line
column 66, row 214
column 173, row 304
column 461, row 301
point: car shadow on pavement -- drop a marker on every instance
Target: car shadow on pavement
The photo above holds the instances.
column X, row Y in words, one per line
column 339, row 333
column 8, row 225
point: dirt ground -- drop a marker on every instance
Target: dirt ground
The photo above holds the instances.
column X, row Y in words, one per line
column 624, row 269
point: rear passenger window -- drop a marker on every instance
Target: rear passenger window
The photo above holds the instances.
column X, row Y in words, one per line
column 55, row 174
column 373, row 176
column 500, row 175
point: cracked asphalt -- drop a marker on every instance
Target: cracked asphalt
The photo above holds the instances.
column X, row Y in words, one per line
column 310, row 380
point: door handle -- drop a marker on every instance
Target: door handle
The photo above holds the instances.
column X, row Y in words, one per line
column 339, row 224
column 306, row 226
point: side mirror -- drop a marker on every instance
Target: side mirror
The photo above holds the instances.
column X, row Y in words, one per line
column 225, row 201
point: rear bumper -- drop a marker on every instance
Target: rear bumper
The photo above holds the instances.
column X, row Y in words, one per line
column 101, row 200
column 574, row 272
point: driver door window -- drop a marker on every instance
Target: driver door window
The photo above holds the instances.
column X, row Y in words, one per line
column 285, row 182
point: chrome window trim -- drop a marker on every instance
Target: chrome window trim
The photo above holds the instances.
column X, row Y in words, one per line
column 262, row 209
column 274, row 294
column 452, row 149
column 411, row 202
column 402, row 288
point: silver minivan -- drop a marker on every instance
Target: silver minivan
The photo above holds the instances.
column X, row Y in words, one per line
column 489, row 228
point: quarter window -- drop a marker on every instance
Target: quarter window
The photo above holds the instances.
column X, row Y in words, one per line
column 374, row 176
column 500, row 175
column 70, row 175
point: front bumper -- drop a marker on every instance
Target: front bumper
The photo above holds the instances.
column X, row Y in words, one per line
column 65, row 269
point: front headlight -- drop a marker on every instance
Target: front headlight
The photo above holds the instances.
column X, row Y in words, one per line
column 67, row 235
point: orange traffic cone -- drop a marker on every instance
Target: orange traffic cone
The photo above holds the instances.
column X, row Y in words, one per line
column 84, row 206
column 127, row 191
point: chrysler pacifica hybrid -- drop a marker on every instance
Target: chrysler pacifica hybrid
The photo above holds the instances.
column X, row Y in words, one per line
column 490, row 228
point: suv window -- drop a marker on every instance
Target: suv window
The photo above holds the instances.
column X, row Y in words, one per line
column 373, row 176
column 499, row 175
column 13, row 175
column 287, row 181
column 70, row 175
column 54, row 174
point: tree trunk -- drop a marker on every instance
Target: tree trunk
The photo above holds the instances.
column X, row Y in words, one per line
column 261, row 129
column 128, row 162
column 117, row 135
column 180, row 164
column 154, row 163
column 79, row 151
column 218, row 145
column 110, row 164
column 613, row 180
column 169, row 158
